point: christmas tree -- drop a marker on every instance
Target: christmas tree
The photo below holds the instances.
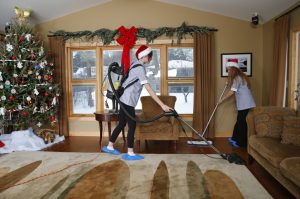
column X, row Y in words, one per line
column 28, row 94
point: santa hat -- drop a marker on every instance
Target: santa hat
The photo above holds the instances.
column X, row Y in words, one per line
column 143, row 51
column 232, row 63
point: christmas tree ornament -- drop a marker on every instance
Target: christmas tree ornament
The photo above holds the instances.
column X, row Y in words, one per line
column 39, row 124
column 52, row 118
column 22, row 15
column 13, row 91
column 11, row 98
column 22, row 38
column 24, row 113
column 9, row 47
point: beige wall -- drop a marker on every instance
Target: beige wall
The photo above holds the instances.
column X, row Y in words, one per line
column 232, row 36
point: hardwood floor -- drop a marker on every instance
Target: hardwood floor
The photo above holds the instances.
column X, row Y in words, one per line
column 91, row 144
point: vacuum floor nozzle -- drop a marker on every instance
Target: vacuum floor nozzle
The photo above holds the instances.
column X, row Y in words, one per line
column 201, row 143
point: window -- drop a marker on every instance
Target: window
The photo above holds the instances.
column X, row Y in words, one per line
column 181, row 78
column 171, row 72
column 83, row 81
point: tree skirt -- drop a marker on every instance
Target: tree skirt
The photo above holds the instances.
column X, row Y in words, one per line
column 25, row 140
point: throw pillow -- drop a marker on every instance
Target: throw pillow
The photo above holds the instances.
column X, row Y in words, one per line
column 269, row 120
column 291, row 131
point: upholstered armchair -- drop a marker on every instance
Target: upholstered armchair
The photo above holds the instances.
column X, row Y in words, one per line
column 166, row 128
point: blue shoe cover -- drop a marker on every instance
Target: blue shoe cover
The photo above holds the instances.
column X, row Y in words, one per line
column 234, row 144
column 231, row 140
column 132, row 157
column 113, row 152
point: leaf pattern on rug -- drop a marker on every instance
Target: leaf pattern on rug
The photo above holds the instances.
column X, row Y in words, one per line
column 161, row 182
column 15, row 176
column 196, row 183
column 221, row 186
column 55, row 188
column 107, row 180
column 4, row 171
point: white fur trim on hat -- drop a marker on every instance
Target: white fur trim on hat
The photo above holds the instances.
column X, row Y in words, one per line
column 232, row 64
column 144, row 52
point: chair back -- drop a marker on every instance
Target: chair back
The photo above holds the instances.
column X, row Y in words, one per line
column 151, row 109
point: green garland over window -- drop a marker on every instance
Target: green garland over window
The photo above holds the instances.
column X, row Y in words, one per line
column 107, row 36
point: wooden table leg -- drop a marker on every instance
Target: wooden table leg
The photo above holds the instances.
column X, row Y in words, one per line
column 109, row 129
column 100, row 125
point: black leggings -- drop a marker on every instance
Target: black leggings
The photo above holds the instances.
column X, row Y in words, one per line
column 123, row 119
column 240, row 128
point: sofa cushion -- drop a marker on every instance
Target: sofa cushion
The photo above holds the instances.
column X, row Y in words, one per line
column 290, row 168
column 269, row 120
column 272, row 149
column 291, row 131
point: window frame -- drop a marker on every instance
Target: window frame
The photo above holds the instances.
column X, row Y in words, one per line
column 164, row 80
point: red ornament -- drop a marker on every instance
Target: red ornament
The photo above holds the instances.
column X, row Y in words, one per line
column 50, row 77
column 22, row 38
column 11, row 98
column 13, row 57
column 23, row 82
column 52, row 118
column 127, row 40
column 32, row 56
column 11, row 110
column 46, row 94
column 24, row 113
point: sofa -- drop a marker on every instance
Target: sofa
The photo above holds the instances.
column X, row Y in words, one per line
column 274, row 142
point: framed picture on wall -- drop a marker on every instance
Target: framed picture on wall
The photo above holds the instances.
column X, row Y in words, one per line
column 243, row 60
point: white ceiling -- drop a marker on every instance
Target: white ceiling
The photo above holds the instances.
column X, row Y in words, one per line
column 45, row 10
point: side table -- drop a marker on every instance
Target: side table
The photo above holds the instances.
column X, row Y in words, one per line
column 108, row 117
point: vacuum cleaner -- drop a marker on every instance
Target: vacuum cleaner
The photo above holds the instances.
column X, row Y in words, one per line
column 232, row 158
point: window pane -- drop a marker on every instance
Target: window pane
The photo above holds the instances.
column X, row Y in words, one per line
column 185, row 97
column 180, row 62
column 84, row 64
column 84, row 100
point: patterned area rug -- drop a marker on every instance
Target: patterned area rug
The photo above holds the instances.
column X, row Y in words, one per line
column 97, row 175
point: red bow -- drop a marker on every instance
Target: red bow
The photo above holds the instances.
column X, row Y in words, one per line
column 127, row 40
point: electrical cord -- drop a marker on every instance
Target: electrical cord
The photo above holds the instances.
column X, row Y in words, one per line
column 50, row 173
